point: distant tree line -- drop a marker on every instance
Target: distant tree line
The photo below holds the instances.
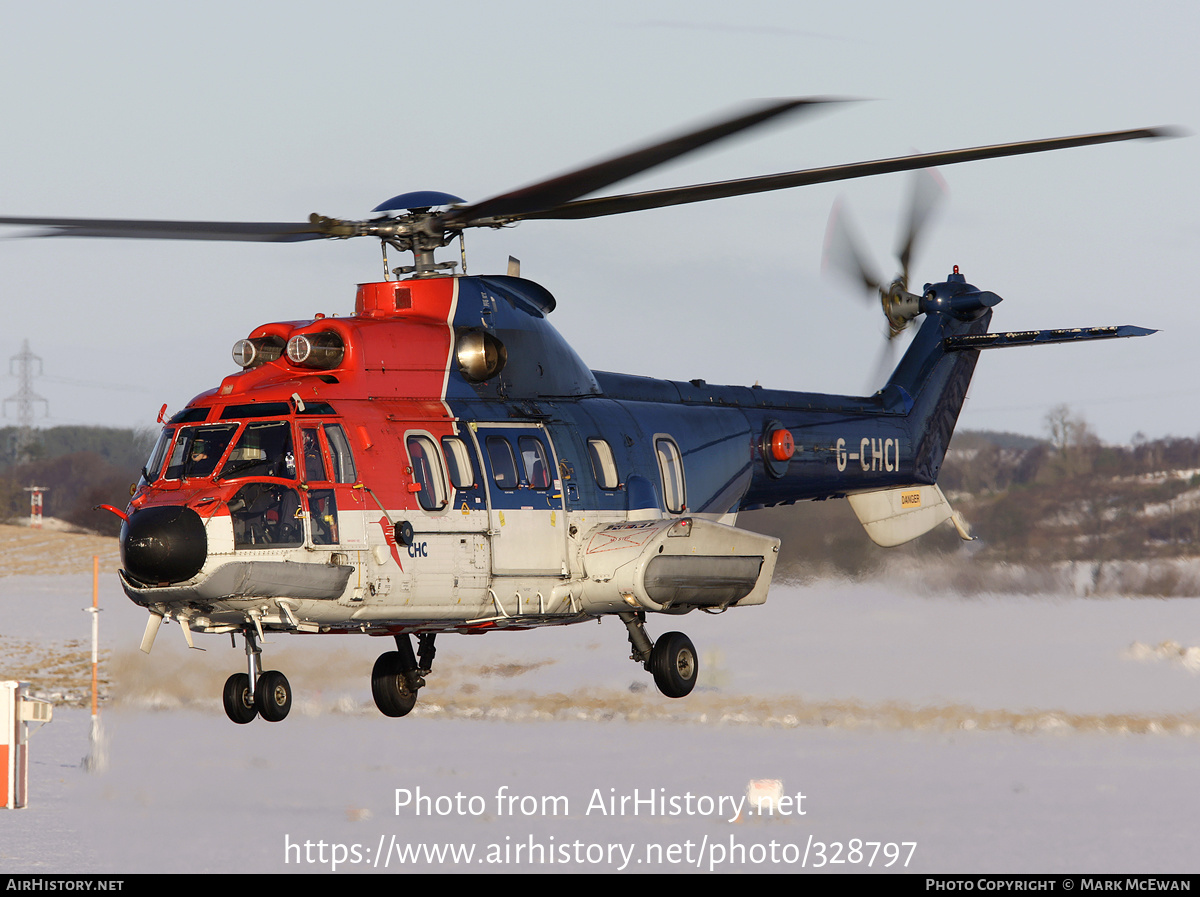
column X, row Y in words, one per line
column 1066, row 497
column 82, row 467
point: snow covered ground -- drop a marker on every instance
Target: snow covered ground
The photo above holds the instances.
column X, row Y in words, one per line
column 996, row 734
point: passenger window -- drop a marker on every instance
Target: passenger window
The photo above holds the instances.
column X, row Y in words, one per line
column 533, row 456
column 604, row 466
column 670, row 465
column 458, row 461
column 504, row 464
column 427, row 472
column 339, row 449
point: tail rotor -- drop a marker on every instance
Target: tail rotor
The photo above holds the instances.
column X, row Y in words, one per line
column 843, row 252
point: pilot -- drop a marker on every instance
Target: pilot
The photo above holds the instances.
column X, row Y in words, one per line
column 199, row 451
column 314, row 465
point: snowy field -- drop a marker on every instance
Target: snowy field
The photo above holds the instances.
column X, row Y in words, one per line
column 995, row 734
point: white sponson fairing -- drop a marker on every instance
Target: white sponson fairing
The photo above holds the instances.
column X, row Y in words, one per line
column 658, row 565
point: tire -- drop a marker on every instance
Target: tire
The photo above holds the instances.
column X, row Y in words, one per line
column 239, row 705
column 389, row 688
column 674, row 665
column 273, row 696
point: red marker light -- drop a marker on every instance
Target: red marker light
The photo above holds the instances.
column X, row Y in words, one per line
column 782, row 445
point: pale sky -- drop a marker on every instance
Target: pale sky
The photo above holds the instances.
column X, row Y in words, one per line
column 268, row 111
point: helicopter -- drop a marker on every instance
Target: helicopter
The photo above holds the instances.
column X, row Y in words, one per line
column 442, row 461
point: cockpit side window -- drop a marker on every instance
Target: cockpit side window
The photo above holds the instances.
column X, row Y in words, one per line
column 198, row 449
column 264, row 450
column 339, row 450
column 154, row 466
column 314, row 458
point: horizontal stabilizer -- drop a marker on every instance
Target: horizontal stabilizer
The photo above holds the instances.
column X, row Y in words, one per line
column 1039, row 337
column 895, row 516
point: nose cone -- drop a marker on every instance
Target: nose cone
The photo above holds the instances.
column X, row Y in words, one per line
column 163, row 544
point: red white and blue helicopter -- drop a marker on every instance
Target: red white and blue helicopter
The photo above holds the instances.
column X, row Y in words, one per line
column 442, row 461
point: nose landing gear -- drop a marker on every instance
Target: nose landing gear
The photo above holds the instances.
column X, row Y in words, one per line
column 255, row 693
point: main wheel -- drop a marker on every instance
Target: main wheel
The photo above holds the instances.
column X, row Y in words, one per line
column 673, row 662
column 273, row 696
column 389, row 688
column 239, row 703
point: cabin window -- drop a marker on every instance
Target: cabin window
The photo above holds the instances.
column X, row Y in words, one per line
column 670, row 465
column 198, row 449
column 339, row 449
column 604, row 466
column 427, row 472
column 533, row 456
column 504, row 463
column 264, row 450
column 458, row 461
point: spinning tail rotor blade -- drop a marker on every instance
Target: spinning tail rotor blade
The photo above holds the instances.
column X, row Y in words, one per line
column 928, row 192
column 843, row 253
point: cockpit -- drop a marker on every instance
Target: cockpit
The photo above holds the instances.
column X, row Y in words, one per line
column 254, row 447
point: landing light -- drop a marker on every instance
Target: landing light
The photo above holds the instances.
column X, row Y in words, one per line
column 252, row 353
column 316, row 350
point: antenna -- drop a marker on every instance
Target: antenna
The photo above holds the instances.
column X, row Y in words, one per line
column 25, row 396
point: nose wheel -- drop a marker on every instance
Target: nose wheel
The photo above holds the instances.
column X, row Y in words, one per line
column 255, row 693
column 239, row 699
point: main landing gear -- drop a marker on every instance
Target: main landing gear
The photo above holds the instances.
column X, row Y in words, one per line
column 398, row 676
column 671, row 659
column 255, row 693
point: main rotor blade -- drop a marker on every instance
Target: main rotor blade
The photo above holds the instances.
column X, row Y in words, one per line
column 257, row 232
column 654, row 199
column 551, row 193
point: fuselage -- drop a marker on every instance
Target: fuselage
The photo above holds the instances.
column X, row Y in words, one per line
column 443, row 459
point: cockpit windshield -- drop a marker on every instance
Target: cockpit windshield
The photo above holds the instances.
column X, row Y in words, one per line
column 152, row 467
column 198, row 449
column 264, row 450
